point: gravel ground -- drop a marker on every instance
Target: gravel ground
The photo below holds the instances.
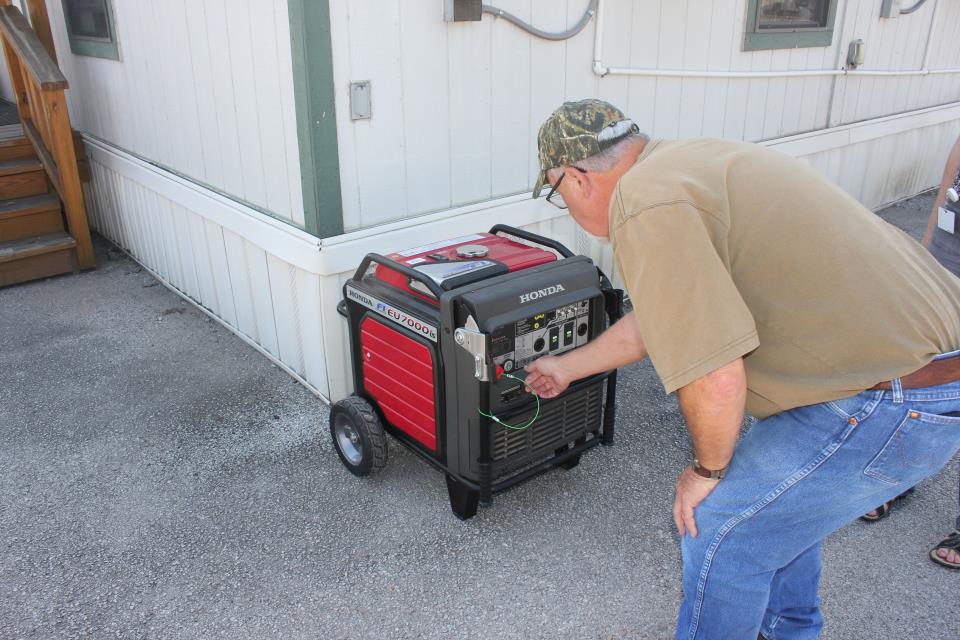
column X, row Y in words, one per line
column 161, row 479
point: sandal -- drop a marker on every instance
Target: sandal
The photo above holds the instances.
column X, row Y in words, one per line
column 951, row 542
column 884, row 510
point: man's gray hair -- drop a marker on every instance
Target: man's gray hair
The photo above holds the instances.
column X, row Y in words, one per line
column 606, row 159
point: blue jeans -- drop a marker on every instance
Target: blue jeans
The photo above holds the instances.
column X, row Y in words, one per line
column 794, row 478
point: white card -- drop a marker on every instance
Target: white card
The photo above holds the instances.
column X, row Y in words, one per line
column 946, row 220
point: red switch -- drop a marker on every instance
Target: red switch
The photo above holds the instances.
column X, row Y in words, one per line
column 499, row 372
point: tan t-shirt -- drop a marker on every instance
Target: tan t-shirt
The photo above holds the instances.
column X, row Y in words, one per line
column 730, row 249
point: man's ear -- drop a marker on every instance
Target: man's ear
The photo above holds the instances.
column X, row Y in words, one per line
column 583, row 181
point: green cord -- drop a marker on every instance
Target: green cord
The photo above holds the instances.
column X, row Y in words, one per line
column 510, row 426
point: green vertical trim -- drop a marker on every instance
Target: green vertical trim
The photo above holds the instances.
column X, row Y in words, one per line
column 316, row 120
column 754, row 40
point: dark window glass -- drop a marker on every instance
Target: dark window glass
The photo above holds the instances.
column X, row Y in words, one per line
column 773, row 15
column 88, row 19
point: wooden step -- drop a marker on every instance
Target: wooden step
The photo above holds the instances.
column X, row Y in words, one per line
column 21, row 177
column 28, row 217
column 20, row 147
column 34, row 258
column 14, row 148
column 19, row 165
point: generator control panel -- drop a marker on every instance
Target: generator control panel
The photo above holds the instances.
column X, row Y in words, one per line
column 552, row 332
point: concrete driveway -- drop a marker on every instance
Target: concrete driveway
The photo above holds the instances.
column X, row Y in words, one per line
column 161, row 479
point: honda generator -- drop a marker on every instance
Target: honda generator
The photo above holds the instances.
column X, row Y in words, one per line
column 439, row 338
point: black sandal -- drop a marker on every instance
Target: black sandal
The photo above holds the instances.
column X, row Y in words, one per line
column 884, row 510
column 951, row 542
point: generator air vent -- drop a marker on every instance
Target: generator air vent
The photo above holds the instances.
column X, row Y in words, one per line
column 559, row 422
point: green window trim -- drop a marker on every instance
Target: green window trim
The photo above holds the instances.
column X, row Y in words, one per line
column 753, row 40
column 313, row 87
column 94, row 47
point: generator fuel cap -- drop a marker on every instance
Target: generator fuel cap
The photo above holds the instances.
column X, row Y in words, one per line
column 472, row 251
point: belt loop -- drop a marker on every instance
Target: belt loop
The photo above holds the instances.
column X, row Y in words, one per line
column 897, row 391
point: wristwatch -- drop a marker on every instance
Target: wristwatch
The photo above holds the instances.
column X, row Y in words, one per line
column 710, row 474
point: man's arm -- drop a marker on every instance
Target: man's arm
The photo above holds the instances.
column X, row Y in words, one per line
column 619, row 345
column 949, row 173
column 713, row 406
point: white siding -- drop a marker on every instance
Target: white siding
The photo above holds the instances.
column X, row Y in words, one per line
column 450, row 147
column 276, row 288
column 456, row 106
column 204, row 87
column 214, row 253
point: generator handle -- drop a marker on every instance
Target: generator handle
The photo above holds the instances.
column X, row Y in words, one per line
column 411, row 273
column 612, row 298
column 532, row 237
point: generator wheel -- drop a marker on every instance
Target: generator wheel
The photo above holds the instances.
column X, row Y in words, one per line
column 358, row 436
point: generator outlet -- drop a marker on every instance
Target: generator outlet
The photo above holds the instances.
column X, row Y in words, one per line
column 511, row 394
column 462, row 10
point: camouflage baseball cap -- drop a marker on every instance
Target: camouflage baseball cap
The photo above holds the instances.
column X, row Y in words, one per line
column 570, row 134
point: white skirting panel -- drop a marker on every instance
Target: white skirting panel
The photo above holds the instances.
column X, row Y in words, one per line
column 277, row 287
column 239, row 273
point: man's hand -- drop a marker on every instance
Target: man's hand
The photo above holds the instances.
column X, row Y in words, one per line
column 713, row 406
column 691, row 490
column 547, row 376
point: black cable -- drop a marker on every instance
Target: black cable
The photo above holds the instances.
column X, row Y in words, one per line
column 919, row 4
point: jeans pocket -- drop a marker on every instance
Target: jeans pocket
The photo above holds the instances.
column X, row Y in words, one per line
column 920, row 446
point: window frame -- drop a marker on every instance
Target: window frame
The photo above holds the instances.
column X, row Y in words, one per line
column 755, row 40
column 93, row 47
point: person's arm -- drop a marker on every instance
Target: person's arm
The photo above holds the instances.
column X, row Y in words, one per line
column 619, row 345
column 713, row 406
column 949, row 173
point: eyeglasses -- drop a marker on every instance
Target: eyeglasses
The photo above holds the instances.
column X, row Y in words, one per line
column 606, row 138
column 555, row 198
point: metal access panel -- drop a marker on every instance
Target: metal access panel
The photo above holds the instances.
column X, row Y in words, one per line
column 462, row 10
column 398, row 372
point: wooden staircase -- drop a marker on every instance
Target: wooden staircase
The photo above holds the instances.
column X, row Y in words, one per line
column 34, row 242
column 43, row 221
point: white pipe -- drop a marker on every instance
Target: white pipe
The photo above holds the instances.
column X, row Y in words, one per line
column 601, row 70
column 598, row 39
column 677, row 73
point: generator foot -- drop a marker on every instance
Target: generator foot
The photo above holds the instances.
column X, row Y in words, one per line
column 463, row 500
column 574, row 461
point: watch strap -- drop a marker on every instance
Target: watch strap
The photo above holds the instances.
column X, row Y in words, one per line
column 710, row 474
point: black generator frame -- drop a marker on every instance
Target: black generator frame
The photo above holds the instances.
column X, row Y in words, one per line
column 466, row 494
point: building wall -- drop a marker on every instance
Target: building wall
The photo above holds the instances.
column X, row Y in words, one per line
column 450, row 147
column 203, row 88
column 277, row 287
column 456, row 106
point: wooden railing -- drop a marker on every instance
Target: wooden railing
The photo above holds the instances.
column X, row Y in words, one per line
column 39, row 86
